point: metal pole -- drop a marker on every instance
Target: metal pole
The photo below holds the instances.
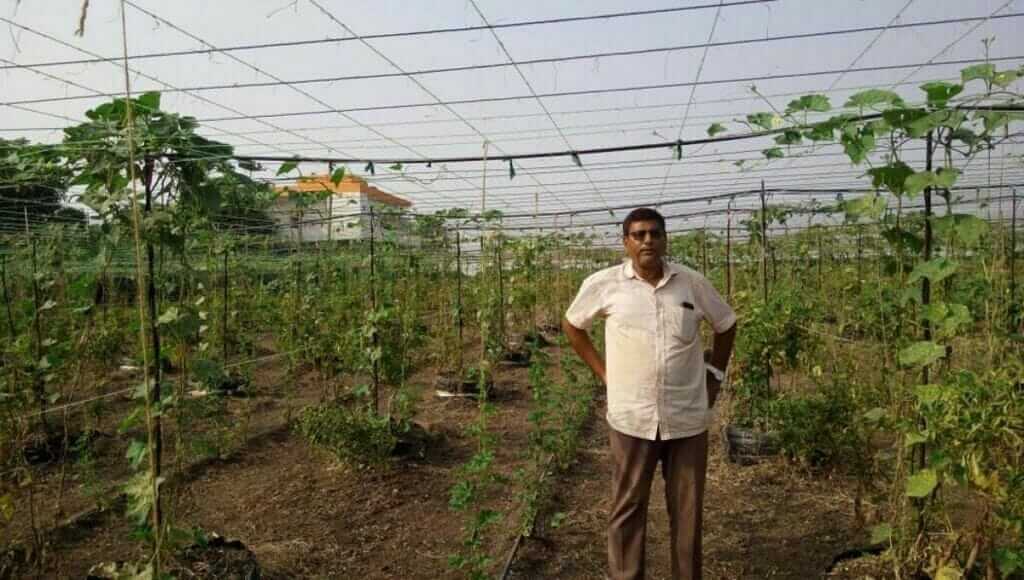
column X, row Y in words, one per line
column 926, row 288
column 728, row 250
column 458, row 295
column 154, row 333
column 483, row 185
column 330, row 204
column 1013, row 247
column 224, row 312
column 7, row 298
column 373, row 309
column 764, row 243
column 860, row 257
column 501, row 292
column 704, row 251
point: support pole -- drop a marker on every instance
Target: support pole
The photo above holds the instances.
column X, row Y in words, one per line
column 154, row 337
column 1013, row 247
column 501, row 291
column 38, row 386
column 330, row 204
column 704, row 251
column 373, row 309
column 7, row 298
column 458, row 297
column 764, row 244
column 224, row 312
column 728, row 250
column 860, row 257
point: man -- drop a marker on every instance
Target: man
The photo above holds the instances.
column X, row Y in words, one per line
column 660, row 390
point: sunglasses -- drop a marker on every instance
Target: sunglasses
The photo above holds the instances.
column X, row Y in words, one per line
column 641, row 235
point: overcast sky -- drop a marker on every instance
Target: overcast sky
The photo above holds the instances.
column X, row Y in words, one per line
column 722, row 92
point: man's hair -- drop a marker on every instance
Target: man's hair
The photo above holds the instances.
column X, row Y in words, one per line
column 642, row 214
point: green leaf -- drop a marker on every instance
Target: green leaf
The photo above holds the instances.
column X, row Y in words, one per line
column 946, row 177
column 921, row 353
column 136, row 453
column 875, row 415
column 338, row 176
column 940, row 92
column 1009, row 560
column 766, row 121
column 918, row 182
column 870, row 206
column 287, row 167
column 922, row 483
column 936, row 270
column 914, row 438
column 169, row 316
column 968, row 137
column 817, row 103
column 857, row 143
column 881, row 534
column 820, row 132
column 984, row 72
column 995, row 120
column 395, row 167
column 921, row 126
column 928, row 394
column 1005, row 78
column 789, row 137
column 964, row 227
column 872, row 97
column 890, row 177
column 903, row 118
column 149, row 101
column 715, row 129
column 948, row 572
column 773, row 153
column 959, row 316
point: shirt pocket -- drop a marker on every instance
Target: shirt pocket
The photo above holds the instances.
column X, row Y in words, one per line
column 683, row 322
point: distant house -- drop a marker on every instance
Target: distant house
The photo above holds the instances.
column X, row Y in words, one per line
column 344, row 214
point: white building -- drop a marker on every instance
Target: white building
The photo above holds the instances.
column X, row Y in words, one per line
column 314, row 209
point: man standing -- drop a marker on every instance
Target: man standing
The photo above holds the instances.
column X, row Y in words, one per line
column 660, row 390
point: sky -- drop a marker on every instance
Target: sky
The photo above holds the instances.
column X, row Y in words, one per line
column 719, row 50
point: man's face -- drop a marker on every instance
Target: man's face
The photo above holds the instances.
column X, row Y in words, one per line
column 645, row 243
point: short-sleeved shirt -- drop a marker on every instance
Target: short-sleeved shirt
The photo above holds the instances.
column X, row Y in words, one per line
column 654, row 358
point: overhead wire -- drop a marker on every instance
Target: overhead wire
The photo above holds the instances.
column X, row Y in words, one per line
column 693, row 92
column 407, row 34
column 402, row 72
column 270, row 75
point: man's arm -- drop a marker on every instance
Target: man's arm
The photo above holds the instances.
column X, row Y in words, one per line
column 720, row 354
column 581, row 343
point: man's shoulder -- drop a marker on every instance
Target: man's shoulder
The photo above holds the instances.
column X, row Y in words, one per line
column 604, row 276
column 686, row 272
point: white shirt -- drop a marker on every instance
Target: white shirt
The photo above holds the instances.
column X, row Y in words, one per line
column 654, row 357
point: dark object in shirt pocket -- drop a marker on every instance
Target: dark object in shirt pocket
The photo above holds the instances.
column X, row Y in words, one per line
column 687, row 305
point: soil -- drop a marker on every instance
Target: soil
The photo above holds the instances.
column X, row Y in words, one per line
column 305, row 515
column 760, row 521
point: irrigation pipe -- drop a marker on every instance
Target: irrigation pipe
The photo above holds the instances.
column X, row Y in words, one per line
column 511, row 558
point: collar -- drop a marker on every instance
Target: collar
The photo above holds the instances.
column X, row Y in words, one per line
column 668, row 270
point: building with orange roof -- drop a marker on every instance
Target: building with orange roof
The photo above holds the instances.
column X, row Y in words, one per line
column 315, row 209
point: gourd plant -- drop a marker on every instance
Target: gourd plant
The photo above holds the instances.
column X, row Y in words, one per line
column 130, row 153
column 956, row 426
column 34, row 180
column 478, row 475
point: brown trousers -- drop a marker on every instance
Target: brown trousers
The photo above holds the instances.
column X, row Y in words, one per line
column 683, row 466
